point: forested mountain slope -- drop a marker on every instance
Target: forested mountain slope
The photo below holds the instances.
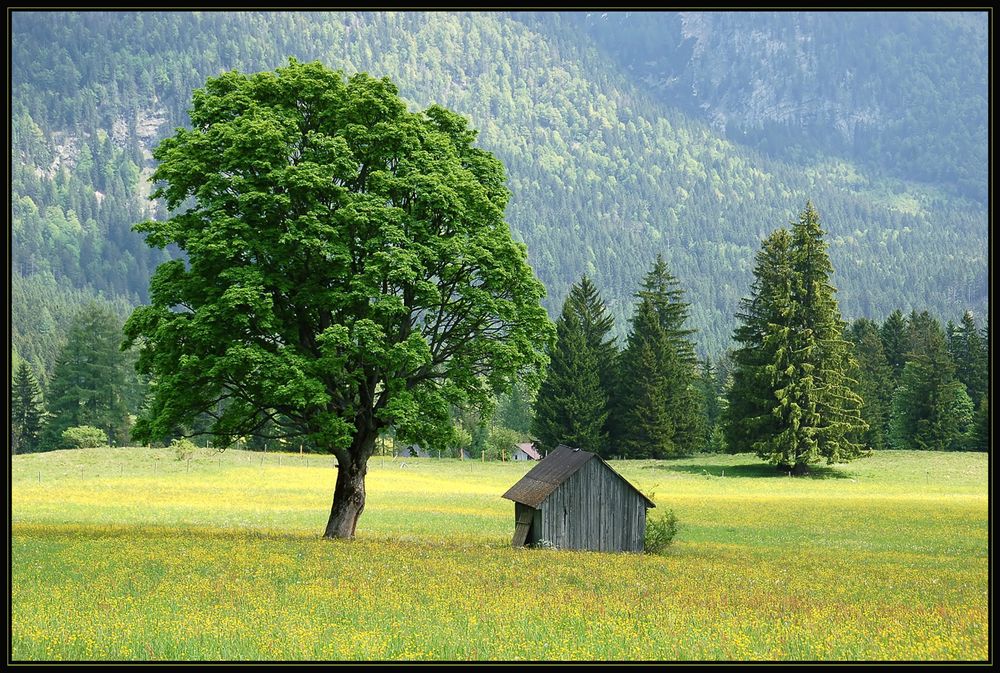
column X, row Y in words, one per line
column 901, row 92
column 605, row 174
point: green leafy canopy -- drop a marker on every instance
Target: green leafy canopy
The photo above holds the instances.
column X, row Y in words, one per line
column 348, row 266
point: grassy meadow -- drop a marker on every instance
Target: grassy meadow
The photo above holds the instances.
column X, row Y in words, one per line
column 130, row 554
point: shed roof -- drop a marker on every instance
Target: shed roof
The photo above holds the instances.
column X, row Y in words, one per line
column 553, row 470
column 529, row 449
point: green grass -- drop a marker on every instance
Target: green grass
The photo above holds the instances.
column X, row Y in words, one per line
column 130, row 554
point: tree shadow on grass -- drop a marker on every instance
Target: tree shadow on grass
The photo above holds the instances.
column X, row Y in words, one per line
column 754, row 470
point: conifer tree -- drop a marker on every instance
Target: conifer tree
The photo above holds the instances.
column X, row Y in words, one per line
column 930, row 409
column 875, row 382
column 90, row 378
column 645, row 419
column 26, row 412
column 895, row 342
column 833, row 409
column 749, row 419
column 658, row 410
column 713, row 404
column 597, row 325
column 968, row 351
column 667, row 297
column 980, row 438
column 572, row 406
column 792, row 399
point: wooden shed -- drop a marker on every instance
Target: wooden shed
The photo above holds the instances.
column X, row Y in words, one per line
column 525, row 451
column 574, row 500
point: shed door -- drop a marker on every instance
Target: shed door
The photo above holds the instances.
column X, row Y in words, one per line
column 522, row 526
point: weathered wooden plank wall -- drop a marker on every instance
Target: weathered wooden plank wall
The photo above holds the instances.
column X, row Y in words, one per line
column 594, row 509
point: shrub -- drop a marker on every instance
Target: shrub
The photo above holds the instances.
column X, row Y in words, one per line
column 183, row 448
column 660, row 532
column 84, row 437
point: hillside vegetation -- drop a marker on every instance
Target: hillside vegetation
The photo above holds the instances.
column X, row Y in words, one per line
column 605, row 171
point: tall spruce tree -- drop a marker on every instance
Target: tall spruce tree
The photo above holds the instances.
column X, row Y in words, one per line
column 572, row 406
column 597, row 325
column 91, row 378
column 748, row 419
column 644, row 419
column 826, row 358
column 792, row 399
column 658, row 409
column 26, row 412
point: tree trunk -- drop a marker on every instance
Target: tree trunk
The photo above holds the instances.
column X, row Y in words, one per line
column 349, row 493
column 348, row 497
column 800, row 469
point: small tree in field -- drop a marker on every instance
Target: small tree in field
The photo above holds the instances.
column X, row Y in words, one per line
column 348, row 272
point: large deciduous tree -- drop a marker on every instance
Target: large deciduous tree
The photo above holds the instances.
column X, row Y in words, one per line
column 349, row 271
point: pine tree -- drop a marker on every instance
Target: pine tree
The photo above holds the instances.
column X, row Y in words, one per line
column 895, row 342
column 713, row 404
column 597, row 325
column 792, row 399
column 658, row 410
column 980, row 438
column 571, row 407
column 644, row 419
column 90, row 379
column 667, row 297
column 875, row 382
column 826, row 358
column 26, row 413
column 968, row 351
column 751, row 396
